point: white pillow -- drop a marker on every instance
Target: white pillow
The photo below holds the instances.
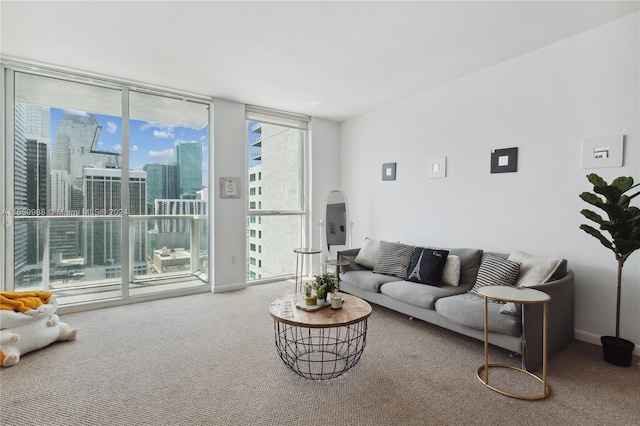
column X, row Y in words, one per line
column 451, row 271
column 533, row 270
column 368, row 254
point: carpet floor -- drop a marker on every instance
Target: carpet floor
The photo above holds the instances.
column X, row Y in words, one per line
column 210, row 359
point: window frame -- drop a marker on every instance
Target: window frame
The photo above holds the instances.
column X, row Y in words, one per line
column 8, row 70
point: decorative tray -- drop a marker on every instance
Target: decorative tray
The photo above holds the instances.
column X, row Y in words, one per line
column 310, row 308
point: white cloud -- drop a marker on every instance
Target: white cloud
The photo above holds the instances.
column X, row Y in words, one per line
column 163, row 134
column 112, row 127
column 134, row 147
column 160, row 156
column 161, row 131
column 117, row 148
column 100, row 143
column 75, row 112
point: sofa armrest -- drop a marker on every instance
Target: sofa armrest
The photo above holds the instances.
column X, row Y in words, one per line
column 350, row 256
column 560, row 324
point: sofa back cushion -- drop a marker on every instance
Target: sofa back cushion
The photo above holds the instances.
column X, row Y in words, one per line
column 469, row 263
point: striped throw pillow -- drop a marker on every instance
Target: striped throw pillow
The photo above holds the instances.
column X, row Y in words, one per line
column 393, row 259
column 495, row 270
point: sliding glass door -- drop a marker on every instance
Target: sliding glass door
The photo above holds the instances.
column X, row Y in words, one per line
column 93, row 174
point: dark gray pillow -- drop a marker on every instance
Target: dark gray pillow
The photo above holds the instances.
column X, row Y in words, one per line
column 427, row 265
column 496, row 270
column 393, row 259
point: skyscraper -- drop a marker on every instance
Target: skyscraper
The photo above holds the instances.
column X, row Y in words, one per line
column 189, row 159
column 30, row 183
column 162, row 183
column 102, row 191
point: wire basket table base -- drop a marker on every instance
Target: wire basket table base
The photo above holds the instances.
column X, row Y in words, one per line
column 320, row 353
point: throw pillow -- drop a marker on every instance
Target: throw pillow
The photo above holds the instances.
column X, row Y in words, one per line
column 533, row 270
column 393, row 259
column 368, row 254
column 427, row 266
column 451, row 271
column 495, row 270
column 511, row 308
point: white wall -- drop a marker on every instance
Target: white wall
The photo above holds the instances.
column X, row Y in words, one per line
column 545, row 103
column 325, row 175
column 229, row 233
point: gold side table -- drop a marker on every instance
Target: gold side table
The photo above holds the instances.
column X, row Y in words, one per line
column 337, row 263
column 518, row 295
column 300, row 254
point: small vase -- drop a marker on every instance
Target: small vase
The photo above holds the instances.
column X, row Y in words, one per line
column 617, row 351
column 310, row 300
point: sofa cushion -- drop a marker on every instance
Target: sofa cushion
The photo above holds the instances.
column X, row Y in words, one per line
column 393, row 259
column 368, row 254
column 451, row 271
column 468, row 310
column 534, row 270
column 365, row 279
column 416, row 294
column 495, row 270
column 469, row 263
column 427, row 265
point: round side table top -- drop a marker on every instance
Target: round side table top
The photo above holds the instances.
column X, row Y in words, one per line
column 354, row 310
column 336, row 262
column 514, row 294
column 307, row 250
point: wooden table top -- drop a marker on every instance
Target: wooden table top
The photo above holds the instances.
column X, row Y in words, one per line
column 354, row 310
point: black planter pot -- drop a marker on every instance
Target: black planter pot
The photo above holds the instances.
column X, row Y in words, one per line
column 617, row 351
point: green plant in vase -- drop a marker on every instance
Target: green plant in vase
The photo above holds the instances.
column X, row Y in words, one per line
column 309, row 297
column 328, row 281
column 623, row 225
column 321, row 292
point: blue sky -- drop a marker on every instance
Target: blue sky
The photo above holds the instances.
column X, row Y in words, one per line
column 149, row 142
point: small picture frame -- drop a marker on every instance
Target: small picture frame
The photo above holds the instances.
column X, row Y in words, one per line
column 229, row 187
column 436, row 167
column 603, row 151
column 504, row 160
column 389, row 171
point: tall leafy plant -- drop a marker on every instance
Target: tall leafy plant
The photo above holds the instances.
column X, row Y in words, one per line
column 622, row 221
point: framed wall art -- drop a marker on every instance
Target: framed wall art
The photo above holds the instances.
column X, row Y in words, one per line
column 504, row 160
column 389, row 171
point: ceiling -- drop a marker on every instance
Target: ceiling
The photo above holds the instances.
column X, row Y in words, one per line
column 333, row 60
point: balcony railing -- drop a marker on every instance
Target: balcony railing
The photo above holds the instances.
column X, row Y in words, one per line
column 86, row 253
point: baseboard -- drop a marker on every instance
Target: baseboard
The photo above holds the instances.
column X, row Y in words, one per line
column 229, row 287
column 595, row 339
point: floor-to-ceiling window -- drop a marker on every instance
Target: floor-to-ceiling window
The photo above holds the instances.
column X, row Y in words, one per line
column 105, row 188
column 276, row 222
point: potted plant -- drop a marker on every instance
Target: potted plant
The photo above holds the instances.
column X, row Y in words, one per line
column 328, row 281
column 623, row 226
column 309, row 297
column 321, row 292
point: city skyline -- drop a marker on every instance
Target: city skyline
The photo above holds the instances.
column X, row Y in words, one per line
column 149, row 142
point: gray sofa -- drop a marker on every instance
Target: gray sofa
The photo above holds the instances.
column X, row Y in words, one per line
column 455, row 308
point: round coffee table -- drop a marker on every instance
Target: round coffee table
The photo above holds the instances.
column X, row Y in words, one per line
column 320, row 344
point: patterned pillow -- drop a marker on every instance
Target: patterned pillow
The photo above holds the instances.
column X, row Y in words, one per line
column 495, row 270
column 427, row 265
column 393, row 259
